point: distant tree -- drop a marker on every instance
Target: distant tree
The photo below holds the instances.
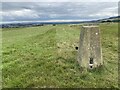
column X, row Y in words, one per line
column 102, row 21
column 54, row 24
column 108, row 21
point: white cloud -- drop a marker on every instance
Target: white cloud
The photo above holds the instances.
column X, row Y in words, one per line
column 54, row 11
column 107, row 12
column 60, row 0
column 103, row 14
column 25, row 13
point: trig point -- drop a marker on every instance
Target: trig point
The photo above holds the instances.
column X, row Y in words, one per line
column 89, row 51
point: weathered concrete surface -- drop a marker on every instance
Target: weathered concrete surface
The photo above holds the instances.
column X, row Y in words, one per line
column 90, row 51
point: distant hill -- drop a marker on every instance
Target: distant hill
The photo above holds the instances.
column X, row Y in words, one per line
column 110, row 19
column 29, row 24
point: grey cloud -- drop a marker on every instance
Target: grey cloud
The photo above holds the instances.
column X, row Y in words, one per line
column 55, row 10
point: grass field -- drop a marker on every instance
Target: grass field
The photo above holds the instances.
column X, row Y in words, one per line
column 46, row 57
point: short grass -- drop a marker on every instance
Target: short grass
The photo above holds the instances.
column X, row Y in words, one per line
column 46, row 57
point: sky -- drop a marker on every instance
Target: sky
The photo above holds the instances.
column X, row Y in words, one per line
column 57, row 11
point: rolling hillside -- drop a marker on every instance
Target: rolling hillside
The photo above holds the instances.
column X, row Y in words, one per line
column 46, row 57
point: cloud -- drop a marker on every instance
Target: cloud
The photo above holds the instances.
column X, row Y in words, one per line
column 60, row 0
column 107, row 12
column 34, row 11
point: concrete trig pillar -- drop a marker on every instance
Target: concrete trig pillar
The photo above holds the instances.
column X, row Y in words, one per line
column 90, row 51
